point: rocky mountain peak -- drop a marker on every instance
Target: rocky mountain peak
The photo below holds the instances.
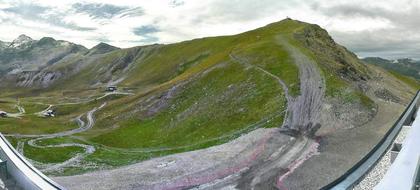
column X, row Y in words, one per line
column 23, row 37
column 21, row 41
column 102, row 48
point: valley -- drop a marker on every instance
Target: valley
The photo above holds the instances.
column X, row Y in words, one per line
column 260, row 109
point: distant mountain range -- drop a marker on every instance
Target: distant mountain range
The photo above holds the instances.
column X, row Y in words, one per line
column 408, row 67
column 287, row 79
column 36, row 63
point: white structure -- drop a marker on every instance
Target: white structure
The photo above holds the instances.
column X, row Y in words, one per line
column 49, row 113
column 26, row 176
column 111, row 89
column 3, row 114
column 404, row 173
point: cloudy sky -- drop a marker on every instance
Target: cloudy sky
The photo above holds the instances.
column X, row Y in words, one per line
column 386, row 28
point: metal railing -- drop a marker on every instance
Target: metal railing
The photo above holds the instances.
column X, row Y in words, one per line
column 402, row 174
column 352, row 176
column 23, row 172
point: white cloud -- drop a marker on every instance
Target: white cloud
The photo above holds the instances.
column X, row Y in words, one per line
column 353, row 23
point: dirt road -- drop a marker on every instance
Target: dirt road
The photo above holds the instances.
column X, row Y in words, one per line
column 43, row 113
column 19, row 114
column 261, row 159
column 89, row 149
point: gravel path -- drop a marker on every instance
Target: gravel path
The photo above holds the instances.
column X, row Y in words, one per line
column 261, row 159
column 19, row 114
column 89, row 149
column 378, row 172
column 304, row 109
column 96, row 99
column 43, row 113
column 302, row 117
column 178, row 171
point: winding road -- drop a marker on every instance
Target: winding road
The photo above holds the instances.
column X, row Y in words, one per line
column 89, row 149
column 83, row 126
column 261, row 159
column 96, row 99
column 19, row 114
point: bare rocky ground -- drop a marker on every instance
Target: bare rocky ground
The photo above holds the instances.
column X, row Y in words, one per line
column 261, row 159
column 179, row 170
column 342, row 146
column 270, row 158
column 297, row 156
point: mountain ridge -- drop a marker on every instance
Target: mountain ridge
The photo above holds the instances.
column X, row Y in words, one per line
column 102, row 48
column 287, row 86
column 404, row 66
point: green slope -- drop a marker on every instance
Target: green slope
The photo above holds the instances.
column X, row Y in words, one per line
column 187, row 95
column 214, row 96
column 407, row 67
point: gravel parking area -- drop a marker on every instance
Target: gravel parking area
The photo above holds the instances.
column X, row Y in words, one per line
column 378, row 172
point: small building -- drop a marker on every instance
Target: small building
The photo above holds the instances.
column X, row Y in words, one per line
column 3, row 114
column 49, row 113
column 111, row 88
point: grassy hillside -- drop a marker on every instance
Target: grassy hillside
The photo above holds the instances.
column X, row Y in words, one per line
column 185, row 96
column 414, row 83
column 407, row 67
